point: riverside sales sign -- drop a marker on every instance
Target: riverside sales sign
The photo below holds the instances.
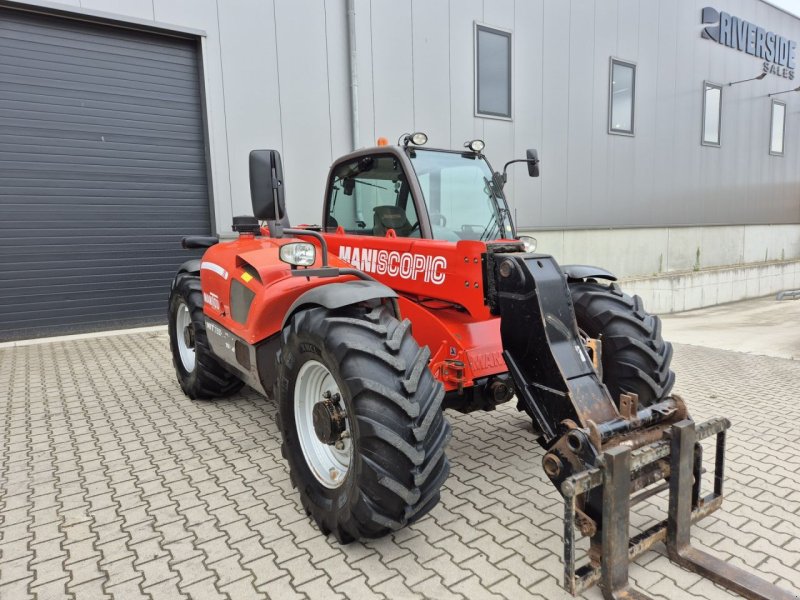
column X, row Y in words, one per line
column 778, row 53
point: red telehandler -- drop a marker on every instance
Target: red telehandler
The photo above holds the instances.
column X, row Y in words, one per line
column 416, row 294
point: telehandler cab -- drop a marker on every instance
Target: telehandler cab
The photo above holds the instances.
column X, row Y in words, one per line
column 414, row 295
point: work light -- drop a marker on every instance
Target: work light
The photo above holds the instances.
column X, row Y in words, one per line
column 299, row 254
column 476, row 146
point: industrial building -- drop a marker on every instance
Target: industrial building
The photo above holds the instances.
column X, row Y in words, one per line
column 125, row 124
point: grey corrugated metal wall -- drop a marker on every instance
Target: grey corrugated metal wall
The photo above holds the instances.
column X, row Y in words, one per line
column 416, row 68
column 103, row 168
column 277, row 76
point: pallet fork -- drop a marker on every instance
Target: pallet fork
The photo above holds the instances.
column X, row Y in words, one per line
column 614, row 473
column 598, row 454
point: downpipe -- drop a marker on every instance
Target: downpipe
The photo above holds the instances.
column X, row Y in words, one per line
column 351, row 32
column 355, row 124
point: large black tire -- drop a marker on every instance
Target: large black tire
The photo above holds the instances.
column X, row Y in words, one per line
column 635, row 357
column 393, row 407
column 208, row 378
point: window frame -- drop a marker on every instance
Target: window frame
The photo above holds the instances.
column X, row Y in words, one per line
column 771, row 129
column 611, row 129
column 703, row 142
column 508, row 33
column 414, row 191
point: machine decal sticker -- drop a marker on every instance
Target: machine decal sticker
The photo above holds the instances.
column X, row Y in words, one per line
column 246, row 277
column 209, row 266
column 480, row 361
column 211, row 299
column 407, row 265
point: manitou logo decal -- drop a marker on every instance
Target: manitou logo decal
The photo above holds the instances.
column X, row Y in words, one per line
column 480, row 361
column 211, row 299
column 407, row 265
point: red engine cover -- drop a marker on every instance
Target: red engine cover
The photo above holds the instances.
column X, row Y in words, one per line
column 440, row 284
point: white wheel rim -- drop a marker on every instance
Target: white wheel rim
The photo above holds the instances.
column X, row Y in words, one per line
column 183, row 320
column 328, row 463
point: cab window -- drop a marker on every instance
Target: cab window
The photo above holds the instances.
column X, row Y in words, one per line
column 461, row 199
column 369, row 196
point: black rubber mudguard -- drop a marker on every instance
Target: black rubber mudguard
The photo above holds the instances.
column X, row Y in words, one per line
column 337, row 295
column 578, row 272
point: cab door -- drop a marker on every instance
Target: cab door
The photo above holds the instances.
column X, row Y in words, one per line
column 374, row 193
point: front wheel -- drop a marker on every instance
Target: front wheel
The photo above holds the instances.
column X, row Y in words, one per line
column 635, row 357
column 199, row 372
column 361, row 420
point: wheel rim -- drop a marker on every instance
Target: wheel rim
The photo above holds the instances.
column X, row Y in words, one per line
column 184, row 334
column 329, row 463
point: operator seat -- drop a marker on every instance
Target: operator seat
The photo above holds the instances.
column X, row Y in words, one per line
column 391, row 217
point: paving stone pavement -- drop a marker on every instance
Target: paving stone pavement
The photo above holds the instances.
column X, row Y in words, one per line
column 114, row 484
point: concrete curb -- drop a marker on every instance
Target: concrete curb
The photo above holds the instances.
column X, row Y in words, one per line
column 83, row 336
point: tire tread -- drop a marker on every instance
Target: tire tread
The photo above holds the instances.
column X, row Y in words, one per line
column 210, row 379
column 636, row 359
column 398, row 405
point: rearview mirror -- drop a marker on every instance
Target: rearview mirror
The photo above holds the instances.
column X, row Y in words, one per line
column 266, row 186
column 533, row 162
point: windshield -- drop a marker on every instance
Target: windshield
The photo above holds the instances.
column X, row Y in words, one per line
column 460, row 196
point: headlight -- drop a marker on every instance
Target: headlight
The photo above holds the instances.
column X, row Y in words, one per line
column 300, row 254
column 529, row 242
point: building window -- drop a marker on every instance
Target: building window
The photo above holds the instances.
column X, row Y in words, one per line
column 777, row 128
column 492, row 72
column 712, row 111
column 621, row 97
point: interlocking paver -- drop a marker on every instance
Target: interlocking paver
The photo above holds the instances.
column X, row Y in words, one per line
column 433, row 587
column 114, row 484
column 282, row 588
column 17, row 589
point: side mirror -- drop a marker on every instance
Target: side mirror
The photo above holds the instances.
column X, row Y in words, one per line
column 266, row 186
column 533, row 162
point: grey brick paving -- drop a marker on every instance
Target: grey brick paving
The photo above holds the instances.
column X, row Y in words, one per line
column 113, row 484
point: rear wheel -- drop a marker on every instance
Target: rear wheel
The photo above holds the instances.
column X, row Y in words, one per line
column 199, row 372
column 635, row 357
column 361, row 420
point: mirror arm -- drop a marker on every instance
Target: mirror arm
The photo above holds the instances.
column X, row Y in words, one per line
column 517, row 160
column 275, row 229
column 276, row 184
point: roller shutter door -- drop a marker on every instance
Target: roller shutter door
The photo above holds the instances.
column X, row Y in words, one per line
column 102, row 170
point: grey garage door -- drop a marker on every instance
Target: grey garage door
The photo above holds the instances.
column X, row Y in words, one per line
column 102, row 170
